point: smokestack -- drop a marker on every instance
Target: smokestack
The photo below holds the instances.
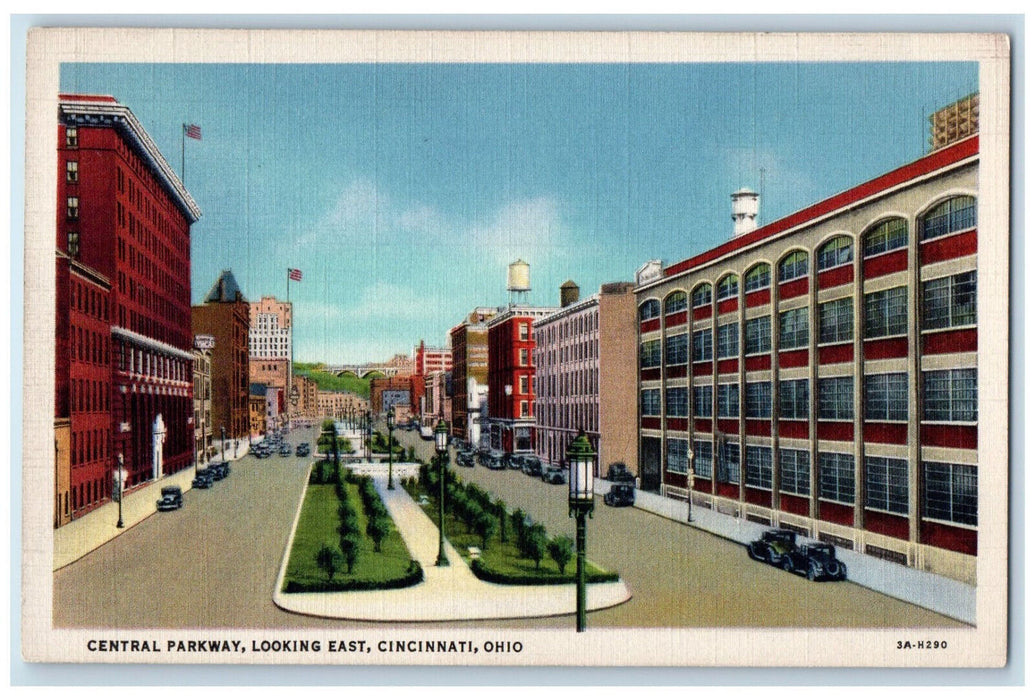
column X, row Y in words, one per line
column 569, row 293
column 745, row 211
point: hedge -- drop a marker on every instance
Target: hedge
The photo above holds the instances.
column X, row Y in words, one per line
column 544, row 579
column 414, row 575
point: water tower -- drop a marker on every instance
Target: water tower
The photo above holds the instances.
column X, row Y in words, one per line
column 745, row 211
column 517, row 282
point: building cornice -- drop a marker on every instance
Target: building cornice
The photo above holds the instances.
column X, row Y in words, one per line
column 150, row 343
column 100, row 112
column 568, row 310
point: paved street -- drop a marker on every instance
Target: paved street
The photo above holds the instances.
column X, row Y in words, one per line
column 214, row 564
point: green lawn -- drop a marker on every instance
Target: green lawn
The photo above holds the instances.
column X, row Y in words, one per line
column 317, row 525
column 326, row 381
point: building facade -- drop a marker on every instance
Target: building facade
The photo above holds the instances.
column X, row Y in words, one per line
column 582, row 353
column 511, row 395
column 308, row 397
column 270, row 349
column 386, row 392
column 224, row 316
column 469, row 344
column 123, row 362
column 340, row 405
column 821, row 371
column 203, row 345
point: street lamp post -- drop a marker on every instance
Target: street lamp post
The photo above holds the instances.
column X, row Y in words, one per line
column 690, row 485
column 294, row 406
column 442, row 448
column 390, row 419
column 370, row 435
column 118, row 488
column 222, row 443
column 580, row 504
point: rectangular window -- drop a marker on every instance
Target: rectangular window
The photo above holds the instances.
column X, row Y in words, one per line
column 72, row 171
column 73, row 208
column 650, row 354
column 523, row 357
column 524, row 409
column 71, row 137
column 758, row 466
column 73, row 244
column 758, row 398
column 887, row 485
column 729, row 464
column 702, row 345
column 887, row 396
column 522, row 331
column 728, row 341
column 757, row 335
column 650, row 402
column 703, row 459
column 794, row 399
column 950, row 395
column 675, row 455
column 794, row 471
column 676, row 349
column 836, row 398
column 837, row 477
column 950, row 492
column 835, row 321
column 703, row 401
column 676, row 402
column 950, row 301
column 523, row 385
column 729, row 400
column 794, row 328
column 886, row 312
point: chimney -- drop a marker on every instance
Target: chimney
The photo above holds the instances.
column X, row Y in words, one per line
column 569, row 293
column 745, row 211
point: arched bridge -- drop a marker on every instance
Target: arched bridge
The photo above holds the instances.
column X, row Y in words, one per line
column 363, row 371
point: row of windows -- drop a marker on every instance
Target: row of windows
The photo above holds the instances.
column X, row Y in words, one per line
column 89, row 346
column 89, row 446
column 90, row 395
column 949, row 396
column 949, row 490
column 952, row 215
column 947, row 302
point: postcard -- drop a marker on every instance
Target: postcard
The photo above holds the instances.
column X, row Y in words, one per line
column 516, row 348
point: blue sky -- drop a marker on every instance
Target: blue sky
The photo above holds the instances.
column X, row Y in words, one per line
column 403, row 190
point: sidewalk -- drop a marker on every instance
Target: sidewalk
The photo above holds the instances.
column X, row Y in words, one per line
column 942, row 595
column 85, row 534
column 447, row 593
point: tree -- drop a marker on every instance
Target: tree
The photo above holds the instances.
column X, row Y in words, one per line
column 501, row 512
column 378, row 528
column 561, row 549
column 350, row 549
column 329, row 559
column 517, row 519
column 485, row 526
column 535, row 543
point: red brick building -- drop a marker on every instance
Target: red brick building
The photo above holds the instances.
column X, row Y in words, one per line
column 511, row 372
column 123, row 374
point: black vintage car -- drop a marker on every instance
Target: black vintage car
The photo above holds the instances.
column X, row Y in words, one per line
column 554, row 475
column 465, row 458
column 202, row 480
column 816, row 561
column 531, row 466
column 773, row 545
column 619, row 473
column 172, row 498
column 620, row 495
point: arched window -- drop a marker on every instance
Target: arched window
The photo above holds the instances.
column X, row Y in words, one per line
column 757, row 277
column 836, row 251
column 702, row 295
column 952, row 215
column 794, row 265
column 887, row 235
column 650, row 309
column 676, row 301
column 727, row 287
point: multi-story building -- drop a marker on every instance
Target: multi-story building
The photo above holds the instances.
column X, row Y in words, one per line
column 425, row 361
column 270, row 343
column 308, row 393
column 224, row 316
column 511, row 396
column 954, row 122
column 123, row 361
column 582, row 354
column 436, row 402
column 341, row 405
column 256, row 410
column 386, row 392
column 470, row 347
column 821, row 371
column 203, row 345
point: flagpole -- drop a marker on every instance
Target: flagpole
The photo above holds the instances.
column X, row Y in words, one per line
column 183, row 148
column 289, row 284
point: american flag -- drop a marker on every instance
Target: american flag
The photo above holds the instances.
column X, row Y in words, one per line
column 294, row 275
column 193, row 131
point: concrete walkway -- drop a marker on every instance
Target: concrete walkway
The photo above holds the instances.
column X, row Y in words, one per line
column 447, row 593
column 943, row 595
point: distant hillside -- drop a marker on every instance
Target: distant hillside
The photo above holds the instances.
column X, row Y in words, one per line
column 329, row 382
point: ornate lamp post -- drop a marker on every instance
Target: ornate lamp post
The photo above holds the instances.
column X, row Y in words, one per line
column 390, row 419
column 580, row 504
column 118, row 489
column 442, row 448
column 222, row 443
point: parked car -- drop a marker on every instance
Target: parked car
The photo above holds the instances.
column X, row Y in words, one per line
column 494, row 460
column 617, row 472
column 512, row 461
column 219, row 470
column 817, row 560
column 620, row 495
column 302, row 450
column 172, row 498
column 554, row 475
column 262, row 451
column 285, row 450
column 773, row 546
column 532, row 466
column 202, row 480
column 465, row 458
